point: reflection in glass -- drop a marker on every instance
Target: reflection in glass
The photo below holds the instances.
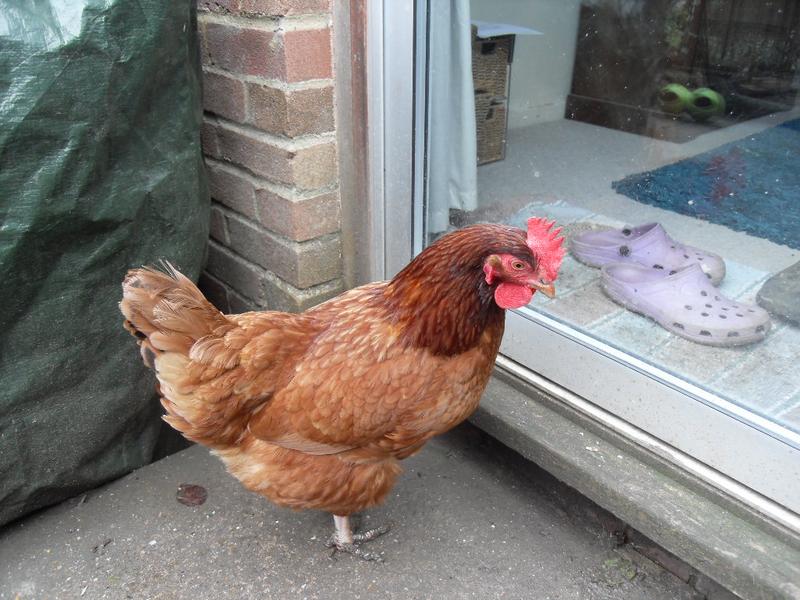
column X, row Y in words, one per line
column 664, row 136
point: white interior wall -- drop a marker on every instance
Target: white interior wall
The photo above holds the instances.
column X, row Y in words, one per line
column 541, row 74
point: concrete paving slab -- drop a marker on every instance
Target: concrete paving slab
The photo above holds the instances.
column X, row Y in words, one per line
column 472, row 520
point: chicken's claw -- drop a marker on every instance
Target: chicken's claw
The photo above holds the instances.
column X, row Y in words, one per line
column 371, row 534
column 352, row 549
column 339, row 541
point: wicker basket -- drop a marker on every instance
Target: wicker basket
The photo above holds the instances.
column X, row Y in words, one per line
column 491, row 71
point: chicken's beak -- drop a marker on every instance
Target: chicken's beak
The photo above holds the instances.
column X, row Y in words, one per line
column 547, row 288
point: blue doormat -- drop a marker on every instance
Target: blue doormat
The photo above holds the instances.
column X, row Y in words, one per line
column 751, row 185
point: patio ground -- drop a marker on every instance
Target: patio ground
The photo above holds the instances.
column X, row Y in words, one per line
column 472, row 520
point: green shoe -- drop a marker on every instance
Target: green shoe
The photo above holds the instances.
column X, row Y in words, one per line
column 706, row 103
column 674, row 98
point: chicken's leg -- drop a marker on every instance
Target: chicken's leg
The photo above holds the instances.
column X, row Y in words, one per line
column 344, row 540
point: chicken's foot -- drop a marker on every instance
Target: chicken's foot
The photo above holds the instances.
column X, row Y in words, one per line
column 344, row 540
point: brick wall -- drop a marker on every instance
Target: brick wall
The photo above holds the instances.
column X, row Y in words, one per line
column 270, row 147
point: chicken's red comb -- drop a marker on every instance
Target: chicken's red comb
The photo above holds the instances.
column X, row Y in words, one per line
column 546, row 245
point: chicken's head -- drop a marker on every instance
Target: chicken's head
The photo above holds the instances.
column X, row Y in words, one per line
column 517, row 277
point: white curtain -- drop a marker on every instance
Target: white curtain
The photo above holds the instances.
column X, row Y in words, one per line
column 452, row 151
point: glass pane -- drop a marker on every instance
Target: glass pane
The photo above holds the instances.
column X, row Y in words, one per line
column 664, row 136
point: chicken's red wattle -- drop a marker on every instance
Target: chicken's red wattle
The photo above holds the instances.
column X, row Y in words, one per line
column 512, row 295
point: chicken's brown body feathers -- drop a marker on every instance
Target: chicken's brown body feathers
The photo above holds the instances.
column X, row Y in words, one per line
column 315, row 410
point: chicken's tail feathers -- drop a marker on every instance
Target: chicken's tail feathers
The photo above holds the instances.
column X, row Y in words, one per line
column 166, row 311
column 168, row 315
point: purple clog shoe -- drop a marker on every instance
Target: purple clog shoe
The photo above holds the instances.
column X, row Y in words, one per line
column 647, row 245
column 685, row 303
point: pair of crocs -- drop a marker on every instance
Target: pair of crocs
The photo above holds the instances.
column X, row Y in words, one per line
column 646, row 271
column 701, row 104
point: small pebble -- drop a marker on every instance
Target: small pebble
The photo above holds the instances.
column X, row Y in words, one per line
column 191, row 495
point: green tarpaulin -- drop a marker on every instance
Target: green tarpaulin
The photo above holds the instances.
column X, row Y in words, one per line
column 100, row 170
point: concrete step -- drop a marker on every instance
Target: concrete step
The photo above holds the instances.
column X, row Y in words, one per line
column 472, row 519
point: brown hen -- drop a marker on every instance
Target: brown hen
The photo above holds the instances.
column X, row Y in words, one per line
column 315, row 410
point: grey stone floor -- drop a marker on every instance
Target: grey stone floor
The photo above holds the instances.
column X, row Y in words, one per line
column 564, row 170
column 473, row 520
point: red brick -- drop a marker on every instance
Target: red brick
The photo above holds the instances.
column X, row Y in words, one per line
column 215, row 291
column 307, row 54
column 224, row 96
column 219, row 6
column 244, row 50
column 232, row 190
column 248, row 286
column 314, row 167
column 310, row 111
column 267, row 108
column 271, row 8
column 208, row 139
column 256, row 156
column 244, row 277
column 218, row 229
column 239, row 304
column 279, row 295
column 277, row 8
column 299, row 220
column 301, row 264
column 308, row 168
column 319, row 260
column 291, row 113
column 263, row 250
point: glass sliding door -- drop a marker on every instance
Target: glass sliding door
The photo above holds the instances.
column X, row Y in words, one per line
column 664, row 136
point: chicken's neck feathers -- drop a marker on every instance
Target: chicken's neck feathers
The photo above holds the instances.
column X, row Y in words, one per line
column 441, row 300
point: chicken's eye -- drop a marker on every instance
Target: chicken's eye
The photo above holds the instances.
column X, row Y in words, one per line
column 518, row 265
